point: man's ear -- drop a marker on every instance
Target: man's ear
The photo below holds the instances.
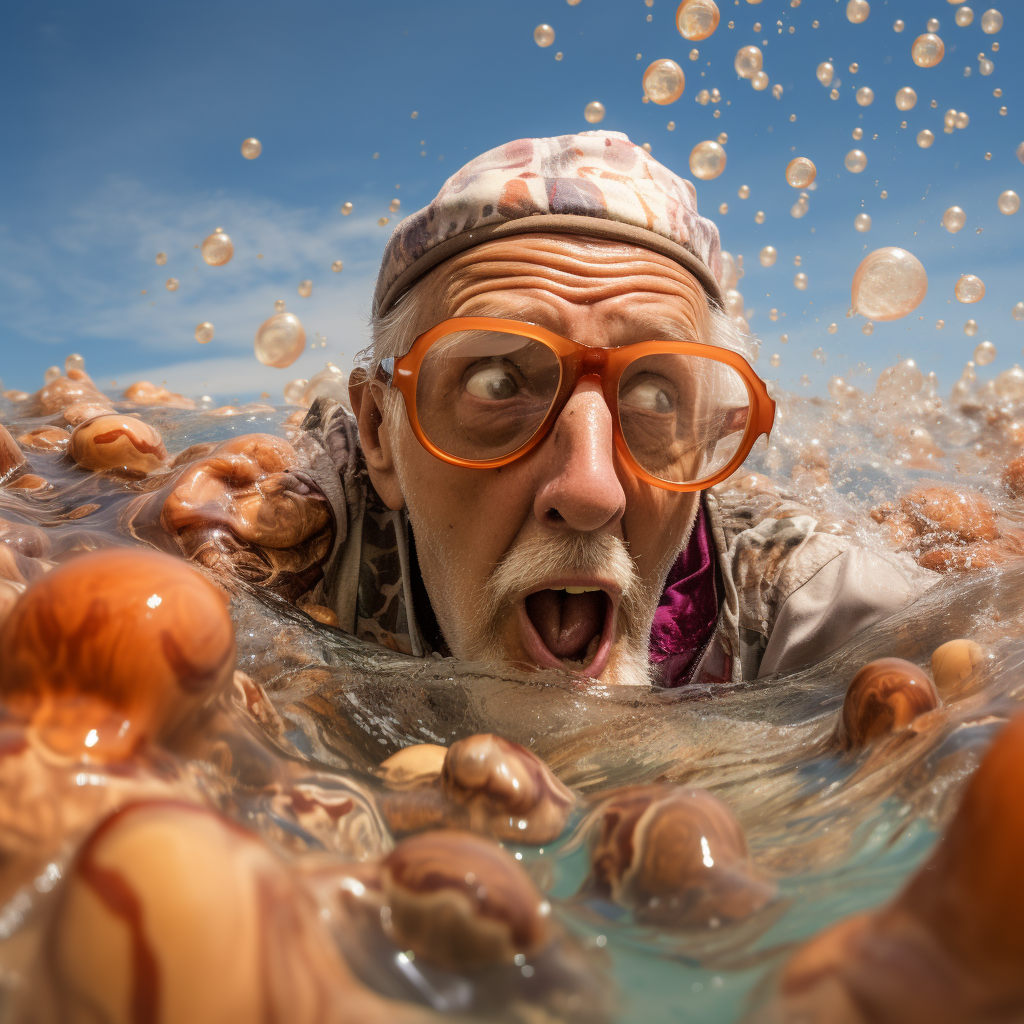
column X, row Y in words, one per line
column 375, row 441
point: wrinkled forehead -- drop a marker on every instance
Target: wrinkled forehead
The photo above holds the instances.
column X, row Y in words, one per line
column 612, row 292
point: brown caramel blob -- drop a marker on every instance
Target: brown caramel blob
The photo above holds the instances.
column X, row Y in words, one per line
column 46, row 439
column 29, row 482
column 461, row 902
column 506, row 790
column 1013, row 477
column 674, row 857
column 172, row 914
column 11, row 456
column 144, row 392
column 963, row 514
column 86, row 409
column 112, row 649
column 117, row 442
column 414, row 766
column 64, row 391
column 954, row 664
column 884, row 696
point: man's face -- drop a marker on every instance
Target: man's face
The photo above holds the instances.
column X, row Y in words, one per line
column 559, row 558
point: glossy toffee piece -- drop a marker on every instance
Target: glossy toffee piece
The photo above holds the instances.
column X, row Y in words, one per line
column 483, row 391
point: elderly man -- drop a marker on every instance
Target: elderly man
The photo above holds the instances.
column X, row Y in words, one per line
column 552, row 388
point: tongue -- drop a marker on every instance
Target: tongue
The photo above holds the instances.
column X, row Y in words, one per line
column 567, row 622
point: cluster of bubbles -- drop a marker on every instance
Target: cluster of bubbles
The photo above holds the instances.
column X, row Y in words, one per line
column 748, row 64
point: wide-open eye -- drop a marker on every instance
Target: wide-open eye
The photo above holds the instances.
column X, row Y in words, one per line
column 492, row 381
column 649, row 395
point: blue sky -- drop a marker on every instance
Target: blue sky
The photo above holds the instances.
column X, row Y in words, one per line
column 122, row 124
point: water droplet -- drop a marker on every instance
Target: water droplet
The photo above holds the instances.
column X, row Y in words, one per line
column 971, row 328
column 759, row 217
column 594, row 112
column 984, row 353
column 664, row 81
column 768, row 255
column 857, row 11
column 776, row 360
column 204, row 333
column 868, row 328
column 991, row 21
column 161, row 258
column 906, row 98
column 800, row 172
column 773, row 314
column 1018, row 311
column 925, row 138
column 695, row 54
column 172, row 284
column 1008, row 202
column 394, row 205
column 280, row 340
column 856, row 160
column 748, row 61
column 697, row 19
column 337, row 266
column 346, row 209
column 954, row 219
column 800, row 281
column 961, row 120
column 865, row 96
column 928, row 50
column 74, row 362
column 671, row 126
column 986, row 67
column 760, row 81
column 217, row 248
column 862, row 222
column 382, row 221
column 969, row 288
column 825, row 72
column 543, row 35
column 939, row 324
column 279, row 305
column 744, row 192
column 723, row 208
column 964, row 16
column 858, row 133
column 889, row 283
column 716, row 96
column 707, row 160
column 898, row 26
column 251, row 148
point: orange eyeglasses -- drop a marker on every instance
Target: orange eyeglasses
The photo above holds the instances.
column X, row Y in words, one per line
column 481, row 392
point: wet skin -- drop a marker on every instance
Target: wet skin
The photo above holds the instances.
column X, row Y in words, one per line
column 596, row 292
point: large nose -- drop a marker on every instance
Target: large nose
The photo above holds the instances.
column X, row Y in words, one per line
column 581, row 488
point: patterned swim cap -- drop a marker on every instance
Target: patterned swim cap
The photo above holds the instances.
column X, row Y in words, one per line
column 594, row 183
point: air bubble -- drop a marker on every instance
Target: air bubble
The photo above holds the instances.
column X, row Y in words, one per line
column 280, row 340
column 889, row 283
column 768, row 255
column 969, row 288
column 251, row 148
column 697, row 19
column 800, row 172
column 984, row 353
column 707, row 160
column 217, row 248
column 906, row 98
column 927, row 50
column 748, row 61
column 862, row 222
column 954, row 219
column 856, row 160
column 204, row 333
column 1008, row 202
column 664, row 81
column 593, row 112
column 543, row 35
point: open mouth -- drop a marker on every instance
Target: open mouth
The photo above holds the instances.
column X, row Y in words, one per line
column 570, row 626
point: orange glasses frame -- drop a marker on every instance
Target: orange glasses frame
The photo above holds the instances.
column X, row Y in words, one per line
column 580, row 362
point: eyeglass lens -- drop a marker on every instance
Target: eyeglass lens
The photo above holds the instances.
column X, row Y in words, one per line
column 480, row 395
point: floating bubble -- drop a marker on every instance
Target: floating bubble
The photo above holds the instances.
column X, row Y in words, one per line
column 217, row 248
column 330, row 382
column 50, row 374
column 280, row 340
column 293, row 391
column 777, row 90
column 889, row 283
column 939, row 324
column 694, row 54
column 204, row 333
column 279, row 305
column 991, row 21
column 594, row 112
column 748, row 61
column 697, row 19
column 716, row 96
column 337, row 266
column 759, row 217
column 664, row 81
column 984, row 353
column 730, row 276
column 1018, row 311
column 868, row 328
column 305, row 288
column 800, row 172
column 925, row 138
column 733, row 302
column 172, row 284
column 928, row 50
column 898, row 26
column 986, row 67
column 543, row 35
column 858, row 133
column 857, row 11
column 776, row 360
column 707, row 160
column 161, row 258
column 702, row 97
column 832, row 328
column 800, row 207
column 395, row 205
column 723, row 208
column 906, row 98
column 964, row 16
column 800, row 281
column 856, row 160
column 971, row 328
column 768, row 255
column 865, row 96
column 862, row 222
column 854, row 68
column 382, row 221
column 954, row 219
column 760, row 81
column 723, row 138
column 744, row 192
column 969, row 288
column 825, row 72
column 346, row 209
column 73, row 362
column 1008, row 202
column 962, row 120
column 251, row 148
